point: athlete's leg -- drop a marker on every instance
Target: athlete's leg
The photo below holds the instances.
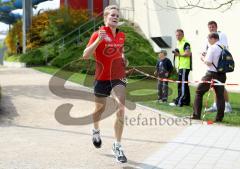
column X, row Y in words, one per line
column 100, row 104
column 119, row 95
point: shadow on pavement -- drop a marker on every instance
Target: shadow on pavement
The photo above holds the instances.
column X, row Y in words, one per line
column 7, row 111
column 31, row 91
column 135, row 165
column 128, row 139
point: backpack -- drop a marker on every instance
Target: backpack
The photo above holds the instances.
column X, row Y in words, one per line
column 225, row 62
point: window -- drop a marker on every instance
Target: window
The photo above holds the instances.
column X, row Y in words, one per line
column 163, row 41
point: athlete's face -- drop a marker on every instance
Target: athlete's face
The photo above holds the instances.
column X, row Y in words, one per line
column 212, row 28
column 112, row 18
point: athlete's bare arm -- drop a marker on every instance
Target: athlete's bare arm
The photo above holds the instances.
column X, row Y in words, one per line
column 91, row 49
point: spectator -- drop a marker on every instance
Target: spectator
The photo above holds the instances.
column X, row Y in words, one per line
column 183, row 57
column 19, row 48
column 212, row 26
column 212, row 56
column 163, row 69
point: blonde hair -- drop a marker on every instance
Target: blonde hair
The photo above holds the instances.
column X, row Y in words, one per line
column 108, row 9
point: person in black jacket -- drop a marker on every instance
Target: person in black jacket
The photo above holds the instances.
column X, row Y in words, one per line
column 163, row 69
column 19, row 48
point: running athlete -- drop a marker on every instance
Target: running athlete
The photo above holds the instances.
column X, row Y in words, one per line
column 106, row 45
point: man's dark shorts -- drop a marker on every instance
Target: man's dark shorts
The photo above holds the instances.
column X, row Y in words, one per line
column 103, row 88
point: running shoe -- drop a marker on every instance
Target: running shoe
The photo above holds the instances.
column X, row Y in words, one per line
column 118, row 153
column 96, row 139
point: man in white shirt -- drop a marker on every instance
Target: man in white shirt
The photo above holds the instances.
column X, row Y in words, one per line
column 212, row 26
column 211, row 57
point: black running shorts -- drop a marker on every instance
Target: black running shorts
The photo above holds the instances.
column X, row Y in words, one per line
column 103, row 88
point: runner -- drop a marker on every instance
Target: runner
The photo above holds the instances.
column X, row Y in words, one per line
column 107, row 47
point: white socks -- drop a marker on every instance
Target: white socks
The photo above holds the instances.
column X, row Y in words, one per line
column 214, row 105
column 117, row 144
column 227, row 104
column 95, row 130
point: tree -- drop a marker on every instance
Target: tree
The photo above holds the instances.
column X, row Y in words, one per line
column 202, row 4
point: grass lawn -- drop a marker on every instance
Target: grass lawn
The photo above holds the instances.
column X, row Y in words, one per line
column 13, row 58
column 144, row 91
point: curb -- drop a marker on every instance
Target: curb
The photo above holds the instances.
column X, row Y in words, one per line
column 14, row 64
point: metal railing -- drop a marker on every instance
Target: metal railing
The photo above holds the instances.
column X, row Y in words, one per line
column 95, row 22
column 127, row 13
column 75, row 35
column 79, row 33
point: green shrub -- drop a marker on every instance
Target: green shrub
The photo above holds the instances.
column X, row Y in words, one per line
column 50, row 52
column 138, row 50
column 66, row 56
column 33, row 58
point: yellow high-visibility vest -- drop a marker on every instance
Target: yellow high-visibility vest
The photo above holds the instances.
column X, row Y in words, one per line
column 182, row 62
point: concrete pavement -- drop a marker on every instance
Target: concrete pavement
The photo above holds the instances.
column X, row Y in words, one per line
column 200, row 147
column 31, row 137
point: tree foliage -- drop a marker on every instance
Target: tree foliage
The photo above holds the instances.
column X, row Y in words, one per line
column 46, row 27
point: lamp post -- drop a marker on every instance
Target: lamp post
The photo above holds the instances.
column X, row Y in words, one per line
column 90, row 8
column 66, row 4
column 105, row 3
column 27, row 17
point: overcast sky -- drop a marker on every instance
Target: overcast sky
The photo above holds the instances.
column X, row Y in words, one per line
column 45, row 5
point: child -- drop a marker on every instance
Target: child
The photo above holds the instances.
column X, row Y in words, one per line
column 163, row 69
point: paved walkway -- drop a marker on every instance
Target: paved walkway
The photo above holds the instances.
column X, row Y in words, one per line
column 31, row 137
column 200, row 147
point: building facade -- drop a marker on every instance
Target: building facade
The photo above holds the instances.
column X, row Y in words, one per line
column 95, row 6
column 158, row 21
